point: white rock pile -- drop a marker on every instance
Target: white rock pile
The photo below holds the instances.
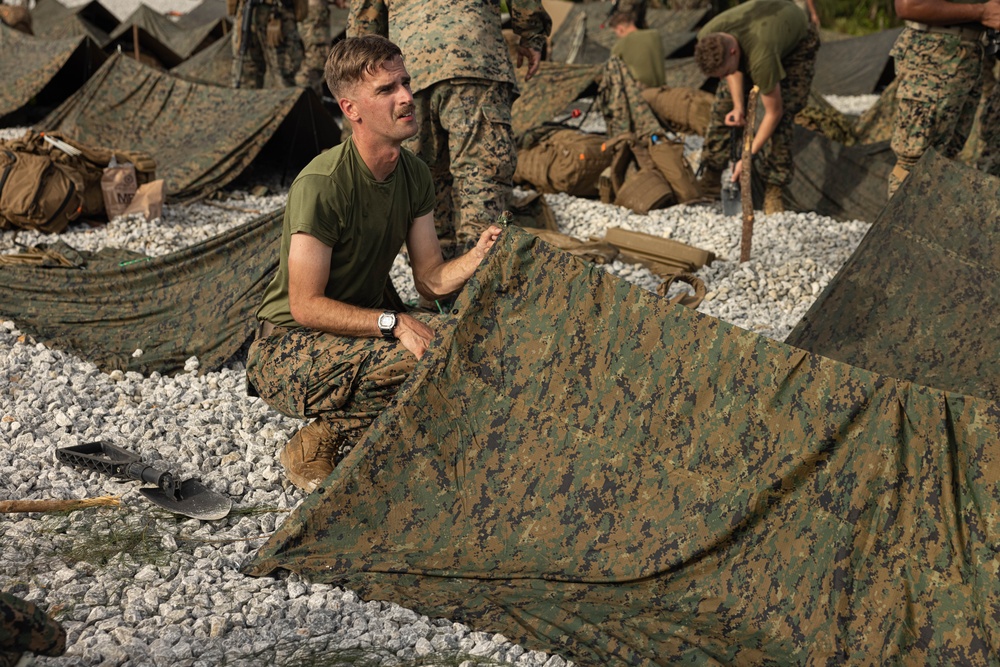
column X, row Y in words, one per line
column 136, row 586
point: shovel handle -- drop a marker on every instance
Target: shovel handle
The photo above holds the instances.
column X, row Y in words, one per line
column 151, row 475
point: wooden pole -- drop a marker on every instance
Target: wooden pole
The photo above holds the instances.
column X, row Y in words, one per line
column 135, row 41
column 18, row 506
column 750, row 123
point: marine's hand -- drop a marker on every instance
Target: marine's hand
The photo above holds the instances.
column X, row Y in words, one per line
column 734, row 117
column 413, row 334
column 534, row 57
column 737, row 170
column 485, row 242
column 991, row 14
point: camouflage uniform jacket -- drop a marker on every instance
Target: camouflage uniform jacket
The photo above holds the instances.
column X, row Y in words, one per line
column 441, row 39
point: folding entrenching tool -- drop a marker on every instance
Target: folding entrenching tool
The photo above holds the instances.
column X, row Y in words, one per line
column 189, row 498
column 732, row 200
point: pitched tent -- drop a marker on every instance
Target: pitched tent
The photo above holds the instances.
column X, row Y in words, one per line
column 918, row 298
column 207, row 12
column 196, row 302
column 157, row 35
column 201, row 136
column 583, row 467
column 50, row 19
column 212, row 65
column 38, row 74
column 843, row 182
column 855, row 66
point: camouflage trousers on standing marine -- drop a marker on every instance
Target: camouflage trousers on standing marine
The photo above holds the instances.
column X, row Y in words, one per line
column 466, row 137
column 939, row 85
column 776, row 166
column 314, row 30
column 275, row 46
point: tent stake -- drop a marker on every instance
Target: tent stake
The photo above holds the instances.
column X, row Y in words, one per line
column 750, row 123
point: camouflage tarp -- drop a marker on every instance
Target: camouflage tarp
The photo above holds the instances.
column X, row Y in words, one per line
column 856, row 66
column 549, row 92
column 38, row 74
column 212, row 65
column 685, row 73
column 209, row 11
column 201, row 136
column 581, row 466
column 166, row 41
column 50, row 19
column 843, row 182
column 196, row 302
column 917, row 298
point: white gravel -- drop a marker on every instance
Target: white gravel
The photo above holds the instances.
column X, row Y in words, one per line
column 192, row 606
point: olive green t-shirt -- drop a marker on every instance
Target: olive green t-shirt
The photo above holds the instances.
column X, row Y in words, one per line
column 642, row 53
column 337, row 199
column 767, row 31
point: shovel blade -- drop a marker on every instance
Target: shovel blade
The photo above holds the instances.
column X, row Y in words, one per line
column 732, row 201
column 197, row 501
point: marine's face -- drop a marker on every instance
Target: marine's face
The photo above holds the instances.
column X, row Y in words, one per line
column 385, row 102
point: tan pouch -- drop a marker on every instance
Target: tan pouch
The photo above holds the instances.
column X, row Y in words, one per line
column 668, row 156
column 273, row 34
column 148, row 200
column 119, row 186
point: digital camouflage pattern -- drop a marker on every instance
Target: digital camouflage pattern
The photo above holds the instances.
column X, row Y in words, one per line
column 265, row 60
column 344, row 381
column 940, row 81
column 202, row 137
column 199, row 302
column 443, row 40
column 776, row 161
column 51, row 19
column 314, row 30
column 30, row 64
column 24, row 628
column 587, row 469
column 622, row 104
column 212, row 65
column 549, row 93
column 917, row 297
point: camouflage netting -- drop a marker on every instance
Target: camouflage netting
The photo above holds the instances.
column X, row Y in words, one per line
column 201, row 136
column 585, row 468
column 196, row 302
column 38, row 72
column 856, row 66
column 918, row 298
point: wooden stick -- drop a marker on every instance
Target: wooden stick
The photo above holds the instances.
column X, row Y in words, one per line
column 17, row 506
column 749, row 125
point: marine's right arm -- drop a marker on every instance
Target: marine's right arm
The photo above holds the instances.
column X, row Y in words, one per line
column 943, row 12
column 368, row 17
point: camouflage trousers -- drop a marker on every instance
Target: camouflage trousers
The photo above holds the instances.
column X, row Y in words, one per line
column 315, row 33
column 268, row 65
column 940, row 81
column 344, row 381
column 465, row 136
column 776, row 156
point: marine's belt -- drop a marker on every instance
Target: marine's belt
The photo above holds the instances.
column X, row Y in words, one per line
column 266, row 329
column 966, row 33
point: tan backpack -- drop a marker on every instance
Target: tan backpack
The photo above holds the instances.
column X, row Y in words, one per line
column 568, row 161
column 37, row 193
column 683, row 109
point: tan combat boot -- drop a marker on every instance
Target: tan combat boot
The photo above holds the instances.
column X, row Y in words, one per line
column 710, row 183
column 773, row 200
column 310, row 455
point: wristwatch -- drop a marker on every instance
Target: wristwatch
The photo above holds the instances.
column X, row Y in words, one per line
column 386, row 323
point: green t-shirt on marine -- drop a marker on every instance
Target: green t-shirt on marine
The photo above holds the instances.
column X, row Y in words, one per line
column 642, row 53
column 337, row 199
column 767, row 31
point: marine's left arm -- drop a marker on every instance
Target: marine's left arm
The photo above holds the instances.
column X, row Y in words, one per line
column 533, row 25
column 432, row 276
column 773, row 110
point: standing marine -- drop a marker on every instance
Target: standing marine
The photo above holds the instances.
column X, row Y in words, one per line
column 274, row 50
column 463, row 87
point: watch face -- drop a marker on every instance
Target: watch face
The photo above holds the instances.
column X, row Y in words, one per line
column 386, row 321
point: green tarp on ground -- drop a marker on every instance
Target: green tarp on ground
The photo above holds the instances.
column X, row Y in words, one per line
column 169, row 43
column 919, row 298
column 38, row 74
column 587, row 469
column 201, row 136
column 196, row 302
column 843, row 182
column 855, row 66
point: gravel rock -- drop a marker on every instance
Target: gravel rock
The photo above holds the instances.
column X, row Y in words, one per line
column 175, row 596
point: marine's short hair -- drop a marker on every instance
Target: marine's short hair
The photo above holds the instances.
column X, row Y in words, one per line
column 710, row 52
column 352, row 58
column 621, row 18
